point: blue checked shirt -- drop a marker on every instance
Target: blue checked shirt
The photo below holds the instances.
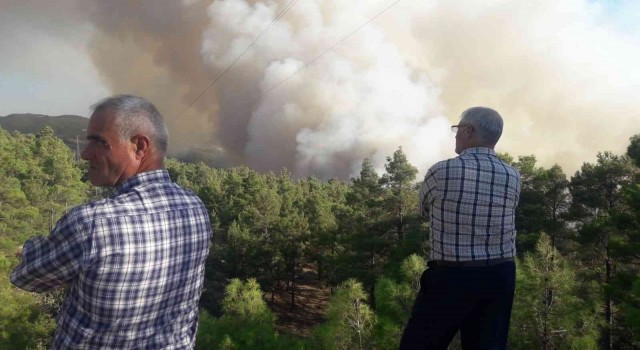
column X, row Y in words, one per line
column 471, row 202
column 134, row 264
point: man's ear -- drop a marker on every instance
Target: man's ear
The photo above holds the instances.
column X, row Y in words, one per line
column 470, row 132
column 142, row 145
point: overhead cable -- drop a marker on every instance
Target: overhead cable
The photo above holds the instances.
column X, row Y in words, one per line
column 332, row 47
column 284, row 10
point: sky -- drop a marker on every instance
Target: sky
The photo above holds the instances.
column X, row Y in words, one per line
column 331, row 82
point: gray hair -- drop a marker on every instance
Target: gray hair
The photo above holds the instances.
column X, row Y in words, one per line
column 486, row 121
column 133, row 115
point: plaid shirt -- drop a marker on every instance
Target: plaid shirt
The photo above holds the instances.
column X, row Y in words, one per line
column 134, row 264
column 471, row 201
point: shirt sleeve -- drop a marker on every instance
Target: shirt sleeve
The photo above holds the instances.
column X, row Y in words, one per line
column 518, row 188
column 427, row 190
column 49, row 262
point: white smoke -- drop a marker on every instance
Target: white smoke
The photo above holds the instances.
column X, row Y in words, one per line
column 360, row 100
column 563, row 74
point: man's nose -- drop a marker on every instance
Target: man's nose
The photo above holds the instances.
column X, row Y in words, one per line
column 86, row 153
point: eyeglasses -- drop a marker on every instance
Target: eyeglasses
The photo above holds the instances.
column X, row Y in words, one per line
column 455, row 128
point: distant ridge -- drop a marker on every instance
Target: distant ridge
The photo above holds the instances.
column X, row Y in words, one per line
column 66, row 127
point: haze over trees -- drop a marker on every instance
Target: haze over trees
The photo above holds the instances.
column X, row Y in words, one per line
column 351, row 253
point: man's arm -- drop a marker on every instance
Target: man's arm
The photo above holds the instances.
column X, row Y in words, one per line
column 48, row 262
column 427, row 189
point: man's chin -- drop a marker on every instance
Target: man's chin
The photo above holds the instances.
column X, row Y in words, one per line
column 98, row 182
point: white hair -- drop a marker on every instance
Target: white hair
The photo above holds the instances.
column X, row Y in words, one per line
column 486, row 121
column 134, row 115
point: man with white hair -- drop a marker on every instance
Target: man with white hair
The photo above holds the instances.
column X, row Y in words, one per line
column 470, row 202
column 133, row 262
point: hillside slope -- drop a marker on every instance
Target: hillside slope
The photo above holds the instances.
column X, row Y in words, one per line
column 66, row 127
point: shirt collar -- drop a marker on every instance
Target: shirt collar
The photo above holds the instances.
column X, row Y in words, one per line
column 147, row 177
column 479, row 150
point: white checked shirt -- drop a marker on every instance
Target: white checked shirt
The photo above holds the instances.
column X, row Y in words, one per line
column 134, row 264
column 470, row 201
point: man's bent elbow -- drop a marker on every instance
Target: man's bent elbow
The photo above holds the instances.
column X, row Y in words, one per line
column 30, row 284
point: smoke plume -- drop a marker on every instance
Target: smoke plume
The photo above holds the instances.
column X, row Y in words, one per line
column 359, row 100
column 561, row 73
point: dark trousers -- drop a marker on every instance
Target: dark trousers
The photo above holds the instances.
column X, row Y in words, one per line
column 474, row 300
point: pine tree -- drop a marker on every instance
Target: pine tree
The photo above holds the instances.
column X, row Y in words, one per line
column 364, row 228
column 292, row 232
column 394, row 301
column 400, row 178
column 350, row 320
column 544, row 199
column 547, row 312
column 247, row 322
column 633, row 150
column 597, row 196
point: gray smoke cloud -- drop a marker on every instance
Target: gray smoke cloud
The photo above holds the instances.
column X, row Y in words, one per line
column 560, row 72
column 564, row 77
column 360, row 100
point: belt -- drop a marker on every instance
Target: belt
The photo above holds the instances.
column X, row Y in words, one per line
column 471, row 263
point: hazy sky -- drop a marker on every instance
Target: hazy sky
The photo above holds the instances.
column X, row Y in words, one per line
column 564, row 74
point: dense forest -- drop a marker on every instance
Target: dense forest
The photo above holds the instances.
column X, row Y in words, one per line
column 311, row 264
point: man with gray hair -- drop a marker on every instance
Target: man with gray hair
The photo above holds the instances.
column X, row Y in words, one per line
column 470, row 202
column 133, row 262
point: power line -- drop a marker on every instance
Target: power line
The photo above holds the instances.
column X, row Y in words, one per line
column 332, row 47
column 284, row 10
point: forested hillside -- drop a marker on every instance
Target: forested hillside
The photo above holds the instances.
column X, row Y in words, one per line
column 357, row 246
column 70, row 128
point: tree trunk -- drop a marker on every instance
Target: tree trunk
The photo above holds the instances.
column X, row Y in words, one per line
column 372, row 293
column 320, row 268
column 273, row 301
column 548, row 301
column 607, row 339
column 293, row 283
column 546, row 336
column 400, row 224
